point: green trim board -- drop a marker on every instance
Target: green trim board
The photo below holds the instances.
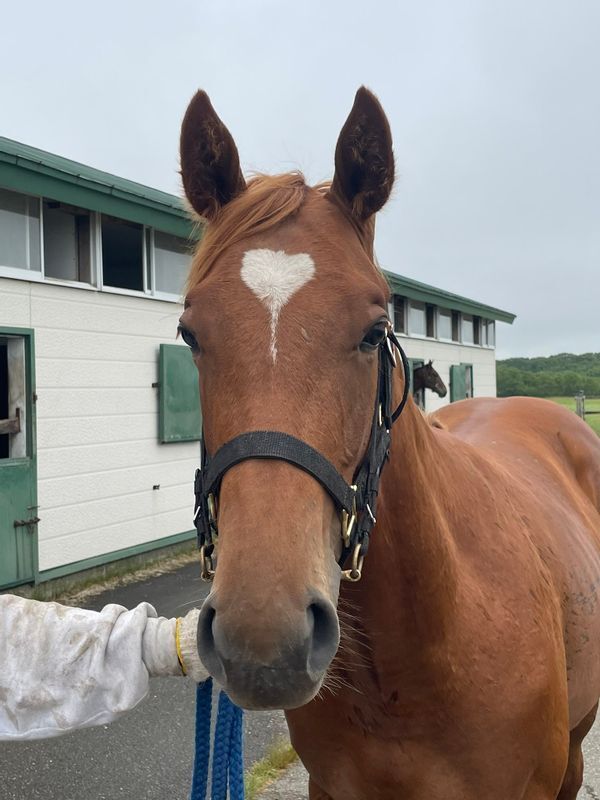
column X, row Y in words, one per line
column 27, row 169
column 114, row 555
column 415, row 290
column 179, row 415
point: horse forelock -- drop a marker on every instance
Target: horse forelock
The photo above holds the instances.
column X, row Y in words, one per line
column 267, row 201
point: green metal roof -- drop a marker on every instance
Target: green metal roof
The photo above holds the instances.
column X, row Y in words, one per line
column 27, row 169
column 415, row 290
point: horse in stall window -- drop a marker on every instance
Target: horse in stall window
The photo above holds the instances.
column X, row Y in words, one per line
column 469, row 660
column 426, row 377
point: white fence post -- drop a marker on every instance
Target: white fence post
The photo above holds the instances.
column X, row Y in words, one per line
column 580, row 404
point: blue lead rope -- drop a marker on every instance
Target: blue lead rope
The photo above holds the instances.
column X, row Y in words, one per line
column 227, row 761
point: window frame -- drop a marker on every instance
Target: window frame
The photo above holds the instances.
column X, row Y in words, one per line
column 171, row 296
column 439, row 309
column 410, row 333
column 94, row 265
column 7, row 271
column 404, row 300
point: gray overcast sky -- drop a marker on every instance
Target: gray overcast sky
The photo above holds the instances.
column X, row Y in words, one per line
column 494, row 106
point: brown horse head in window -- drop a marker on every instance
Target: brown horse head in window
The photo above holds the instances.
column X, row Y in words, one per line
column 426, row 377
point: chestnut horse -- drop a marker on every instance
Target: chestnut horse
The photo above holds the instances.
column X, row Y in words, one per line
column 469, row 664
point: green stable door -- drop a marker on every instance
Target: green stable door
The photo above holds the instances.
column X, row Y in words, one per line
column 18, row 487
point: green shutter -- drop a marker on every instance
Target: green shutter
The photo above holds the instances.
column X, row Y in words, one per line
column 179, row 417
column 458, row 382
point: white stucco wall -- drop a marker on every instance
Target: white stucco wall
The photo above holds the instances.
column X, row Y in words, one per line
column 444, row 354
column 97, row 420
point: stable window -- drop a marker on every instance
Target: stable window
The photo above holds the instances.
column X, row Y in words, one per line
column 67, row 242
column 461, row 382
column 467, row 329
column 417, row 324
column 491, row 333
column 444, row 324
column 399, row 314
column 477, row 330
column 430, row 314
column 122, row 254
column 19, row 231
column 171, row 263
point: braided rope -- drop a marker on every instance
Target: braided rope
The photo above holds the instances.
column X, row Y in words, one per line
column 202, row 750
column 220, row 765
column 227, row 760
column 236, row 760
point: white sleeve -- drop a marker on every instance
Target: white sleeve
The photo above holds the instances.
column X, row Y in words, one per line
column 66, row 668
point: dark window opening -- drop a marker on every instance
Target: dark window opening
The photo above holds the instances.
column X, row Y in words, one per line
column 399, row 314
column 418, row 394
column 122, row 254
column 476, row 330
column 430, row 312
column 469, row 380
column 67, row 242
column 4, row 444
column 456, row 326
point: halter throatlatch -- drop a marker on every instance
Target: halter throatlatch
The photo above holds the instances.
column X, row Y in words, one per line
column 356, row 502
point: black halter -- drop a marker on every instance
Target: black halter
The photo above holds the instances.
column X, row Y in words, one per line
column 357, row 502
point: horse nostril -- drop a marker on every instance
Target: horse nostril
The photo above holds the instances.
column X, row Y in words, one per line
column 206, row 641
column 325, row 634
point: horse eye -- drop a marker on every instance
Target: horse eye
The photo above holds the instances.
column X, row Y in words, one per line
column 188, row 337
column 375, row 336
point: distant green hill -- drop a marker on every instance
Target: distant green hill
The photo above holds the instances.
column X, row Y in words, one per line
column 551, row 376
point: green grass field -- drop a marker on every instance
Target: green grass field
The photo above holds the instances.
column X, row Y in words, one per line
column 591, row 404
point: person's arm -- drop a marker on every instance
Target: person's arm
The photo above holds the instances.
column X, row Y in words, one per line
column 65, row 668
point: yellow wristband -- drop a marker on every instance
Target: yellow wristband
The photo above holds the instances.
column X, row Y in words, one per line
column 178, row 646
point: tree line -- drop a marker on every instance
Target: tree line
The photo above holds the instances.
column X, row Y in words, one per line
column 551, row 376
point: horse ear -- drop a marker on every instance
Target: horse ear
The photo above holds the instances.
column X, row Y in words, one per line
column 210, row 164
column 431, row 362
column 364, row 159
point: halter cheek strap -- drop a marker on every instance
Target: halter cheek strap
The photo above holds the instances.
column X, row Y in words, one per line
column 356, row 502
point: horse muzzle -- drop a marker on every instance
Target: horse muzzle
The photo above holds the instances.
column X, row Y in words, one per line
column 269, row 663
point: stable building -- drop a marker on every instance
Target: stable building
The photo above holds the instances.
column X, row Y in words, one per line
column 457, row 334
column 99, row 407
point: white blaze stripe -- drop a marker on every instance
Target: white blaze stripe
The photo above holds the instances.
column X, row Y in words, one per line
column 274, row 277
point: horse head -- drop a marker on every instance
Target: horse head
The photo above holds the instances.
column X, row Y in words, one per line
column 431, row 380
column 284, row 314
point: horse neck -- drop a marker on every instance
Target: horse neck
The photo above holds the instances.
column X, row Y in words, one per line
column 408, row 587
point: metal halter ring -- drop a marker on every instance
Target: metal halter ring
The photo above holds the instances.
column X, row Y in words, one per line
column 354, row 573
column 207, row 566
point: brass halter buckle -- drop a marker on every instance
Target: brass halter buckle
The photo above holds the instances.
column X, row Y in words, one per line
column 349, row 521
column 355, row 572
column 207, row 565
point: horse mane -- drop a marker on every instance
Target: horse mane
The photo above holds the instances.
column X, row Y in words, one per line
column 267, row 201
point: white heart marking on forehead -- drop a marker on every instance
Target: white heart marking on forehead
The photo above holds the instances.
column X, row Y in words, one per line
column 274, row 277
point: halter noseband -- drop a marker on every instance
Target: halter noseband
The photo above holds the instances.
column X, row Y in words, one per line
column 357, row 502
